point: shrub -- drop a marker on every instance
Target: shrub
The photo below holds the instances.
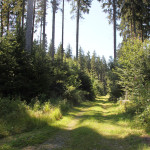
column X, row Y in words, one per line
column 64, row 105
column 98, row 87
column 144, row 117
column 17, row 117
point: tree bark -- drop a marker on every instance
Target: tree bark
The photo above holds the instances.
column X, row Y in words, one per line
column 44, row 24
column 62, row 51
column 133, row 16
column 28, row 46
column 41, row 33
column 114, row 21
column 1, row 19
column 23, row 10
column 8, row 15
column 33, row 21
column 53, row 28
column 77, row 28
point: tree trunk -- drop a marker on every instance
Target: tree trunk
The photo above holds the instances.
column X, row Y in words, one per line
column 33, row 21
column 114, row 21
column 1, row 19
column 44, row 24
column 77, row 28
column 8, row 15
column 133, row 16
column 62, row 51
column 29, row 26
column 53, row 28
column 131, row 29
column 41, row 33
column 23, row 10
column 142, row 31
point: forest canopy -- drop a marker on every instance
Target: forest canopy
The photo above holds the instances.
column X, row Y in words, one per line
column 31, row 69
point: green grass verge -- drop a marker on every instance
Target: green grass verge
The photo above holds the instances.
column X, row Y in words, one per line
column 105, row 126
column 101, row 125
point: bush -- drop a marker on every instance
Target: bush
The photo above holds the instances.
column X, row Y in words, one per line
column 98, row 87
column 86, row 86
column 73, row 95
column 17, row 117
column 64, row 105
column 144, row 117
column 13, row 117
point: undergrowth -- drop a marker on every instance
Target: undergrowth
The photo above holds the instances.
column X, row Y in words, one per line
column 17, row 117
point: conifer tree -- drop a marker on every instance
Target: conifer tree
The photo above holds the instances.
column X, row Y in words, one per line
column 79, row 7
column 111, row 7
column 81, row 59
column 29, row 26
column 54, row 10
column 93, row 64
column 1, row 20
column 62, row 51
column 69, row 51
column 88, row 61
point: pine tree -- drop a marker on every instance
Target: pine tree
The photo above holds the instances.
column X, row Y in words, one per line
column 93, row 64
column 134, row 18
column 62, row 51
column 29, row 26
column 69, row 51
column 81, row 59
column 54, row 10
column 88, row 62
column 111, row 7
column 1, row 20
column 79, row 7
column 44, row 25
column 41, row 18
column 58, row 53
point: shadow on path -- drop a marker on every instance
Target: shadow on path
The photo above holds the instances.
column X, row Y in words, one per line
column 76, row 137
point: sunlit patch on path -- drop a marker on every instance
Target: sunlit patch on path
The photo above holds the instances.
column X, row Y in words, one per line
column 98, row 125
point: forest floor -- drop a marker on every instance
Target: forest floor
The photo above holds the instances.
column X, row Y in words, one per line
column 97, row 125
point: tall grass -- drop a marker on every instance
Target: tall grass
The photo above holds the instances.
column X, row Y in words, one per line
column 17, row 117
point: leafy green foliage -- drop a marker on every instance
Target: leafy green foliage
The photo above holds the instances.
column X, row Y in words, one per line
column 133, row 75
column 17, row 117
column 115, row 90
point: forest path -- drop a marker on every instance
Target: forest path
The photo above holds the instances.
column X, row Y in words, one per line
column 98, row 125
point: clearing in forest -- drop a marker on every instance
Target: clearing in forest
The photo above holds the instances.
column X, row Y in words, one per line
column 97, row 125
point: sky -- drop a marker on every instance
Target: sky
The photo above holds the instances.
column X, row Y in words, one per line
column 95, row 32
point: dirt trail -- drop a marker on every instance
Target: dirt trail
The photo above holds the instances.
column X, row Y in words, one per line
column 98, row 125
column 60, row 139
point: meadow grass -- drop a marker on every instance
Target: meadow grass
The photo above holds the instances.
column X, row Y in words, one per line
column 22, row 125
column 105, row 126
column 99, row 125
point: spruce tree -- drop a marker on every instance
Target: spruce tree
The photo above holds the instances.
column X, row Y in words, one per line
column 29, row 26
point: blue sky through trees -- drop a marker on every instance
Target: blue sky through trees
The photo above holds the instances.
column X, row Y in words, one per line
column 95, row 33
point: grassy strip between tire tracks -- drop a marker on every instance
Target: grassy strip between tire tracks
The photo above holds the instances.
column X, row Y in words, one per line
column 102, row 125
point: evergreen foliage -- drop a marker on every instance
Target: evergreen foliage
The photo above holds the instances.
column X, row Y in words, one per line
column 28, row 71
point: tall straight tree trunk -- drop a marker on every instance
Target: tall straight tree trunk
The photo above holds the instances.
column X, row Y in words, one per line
column 114, row 21
column 133, row 16
column 18, row 22
column 23, row 10
column 134, row 23
column 62, row 51
column 44, row 24
column 29, row 26
column 1, row 19
column 8, row 15
column 142, row 31
column 77, row 28
column 53, row 28
column 131, row 26
column 41, row 33
column 33, row 21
